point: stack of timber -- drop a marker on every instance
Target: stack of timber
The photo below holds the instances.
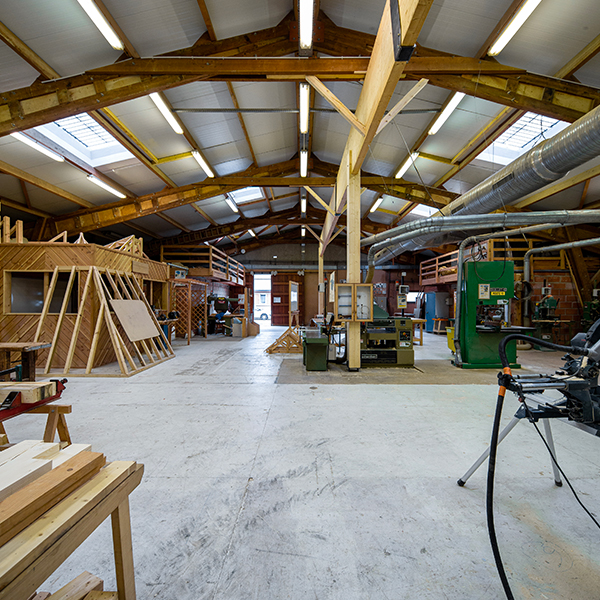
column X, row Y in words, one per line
column 81, row 297
column 51, row 499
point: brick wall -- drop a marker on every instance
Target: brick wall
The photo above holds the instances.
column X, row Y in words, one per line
column 562, row 289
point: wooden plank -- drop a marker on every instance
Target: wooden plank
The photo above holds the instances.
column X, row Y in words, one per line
column 46, row 307
column 24, row 506
column 16, row 474
column 59, row 322
column 79, row 588
column 17, row 449
column 82, row 307
column 95, row 339
column 31, row 392
column 54, row 533
column 102, row 596
column 402, row 104
column 342, row 109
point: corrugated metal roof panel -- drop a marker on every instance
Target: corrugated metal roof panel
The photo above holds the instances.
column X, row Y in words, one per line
column 158, row 26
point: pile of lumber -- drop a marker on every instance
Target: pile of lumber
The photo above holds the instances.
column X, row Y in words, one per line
column 34, row 477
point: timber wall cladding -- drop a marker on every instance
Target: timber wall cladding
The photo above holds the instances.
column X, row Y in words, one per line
column 45, row 257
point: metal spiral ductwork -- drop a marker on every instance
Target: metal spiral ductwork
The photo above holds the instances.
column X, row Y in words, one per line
column 547, row 162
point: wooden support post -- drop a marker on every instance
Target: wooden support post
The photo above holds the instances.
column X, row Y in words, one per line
column 321, row 305
column 121, row 530
column 46, row 307
column 59, row 322
column 353, row 258
column 77, row 325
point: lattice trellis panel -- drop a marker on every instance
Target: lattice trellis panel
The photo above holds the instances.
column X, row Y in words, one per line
column 189, row 299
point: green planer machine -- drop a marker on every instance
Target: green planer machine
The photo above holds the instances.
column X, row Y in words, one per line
column 386, row 341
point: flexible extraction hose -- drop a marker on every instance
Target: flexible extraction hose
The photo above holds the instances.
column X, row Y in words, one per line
column 489, row 501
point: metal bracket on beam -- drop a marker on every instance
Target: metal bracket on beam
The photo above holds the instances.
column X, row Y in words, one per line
column 401, row 53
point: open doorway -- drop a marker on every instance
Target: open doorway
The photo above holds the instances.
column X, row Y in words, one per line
column 262, row 297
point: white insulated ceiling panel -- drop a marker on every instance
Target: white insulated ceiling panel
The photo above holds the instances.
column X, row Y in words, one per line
column 158, row 26
column 60, row 32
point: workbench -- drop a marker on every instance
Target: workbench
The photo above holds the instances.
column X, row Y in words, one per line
column 32, row 555
column 28, row 352
column 418, row 324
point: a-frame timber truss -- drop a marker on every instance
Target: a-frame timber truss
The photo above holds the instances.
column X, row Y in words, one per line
column 102, row 286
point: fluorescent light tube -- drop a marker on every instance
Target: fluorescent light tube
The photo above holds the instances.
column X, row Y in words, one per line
column 304, row 107
column 407, row 164
column 303, row 231
column 166, row 112
column 303, row 163
column 303, row 205
column 513, row 26
column 203, row 164
column 443, row 116
column 37, row 146
column 306, row 9
column 105, row 186
column 376, row 205
column 231, row 204
column 251, row 232
column 102, row 24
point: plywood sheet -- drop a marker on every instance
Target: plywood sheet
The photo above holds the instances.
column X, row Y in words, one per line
column 135, row 319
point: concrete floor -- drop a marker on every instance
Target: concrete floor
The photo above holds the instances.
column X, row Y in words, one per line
column 338, row 489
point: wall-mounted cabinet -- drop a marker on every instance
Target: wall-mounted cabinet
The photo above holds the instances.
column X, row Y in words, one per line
column 354, row 302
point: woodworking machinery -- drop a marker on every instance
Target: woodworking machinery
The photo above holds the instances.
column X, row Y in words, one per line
column 387, row 341
column 487, row 291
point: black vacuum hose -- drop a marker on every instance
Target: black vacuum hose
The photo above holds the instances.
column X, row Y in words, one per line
column 489, row 504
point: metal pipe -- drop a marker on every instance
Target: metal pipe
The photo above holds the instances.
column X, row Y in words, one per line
column 436, row 225
column 565, row 246
column 459, row 274
column 547, row 162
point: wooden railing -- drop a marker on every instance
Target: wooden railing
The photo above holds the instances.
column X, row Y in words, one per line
column 443, row 268
column 205, row 261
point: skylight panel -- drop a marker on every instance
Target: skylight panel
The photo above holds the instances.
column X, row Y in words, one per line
column 423, row 210
column 86, row 131
column 528, row 131
column 249, row 194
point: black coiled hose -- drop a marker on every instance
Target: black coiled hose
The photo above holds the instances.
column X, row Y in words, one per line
column 494, row 443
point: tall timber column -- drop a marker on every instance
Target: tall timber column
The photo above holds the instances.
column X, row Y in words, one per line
column 353, row 215
column 399, row 28
column 321, row 295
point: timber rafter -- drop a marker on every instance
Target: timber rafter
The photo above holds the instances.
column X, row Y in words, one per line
column 229, row 60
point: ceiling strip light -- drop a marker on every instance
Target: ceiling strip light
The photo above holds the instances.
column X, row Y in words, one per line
column 306, row 11
column 376, row 205
column 303, row 163
column 203, row 164
column 251, row 232
column 37, row 146
column 166, row 112
column 303, row 204
column 105, row 186
column 407, row 164
column 513, row 26
column 102, row 24
column 304, row 107
column 443, row 116
column 231, row 204
column 303, row 231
